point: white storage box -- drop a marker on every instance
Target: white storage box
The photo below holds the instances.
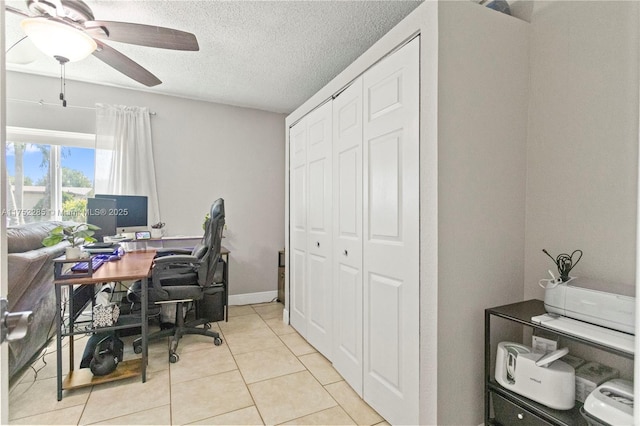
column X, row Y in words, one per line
column 590, row 376
column 573, row 361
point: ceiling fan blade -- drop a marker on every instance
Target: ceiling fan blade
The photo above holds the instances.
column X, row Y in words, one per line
column 16, row 11
column 145, row 35
column 22, row 52
column 59, row 9
column 125, row 65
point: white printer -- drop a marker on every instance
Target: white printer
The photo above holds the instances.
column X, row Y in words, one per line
column 606, row 304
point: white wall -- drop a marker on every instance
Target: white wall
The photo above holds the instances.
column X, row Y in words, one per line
column 582, row 156
column 202, row 151
column 482, row 122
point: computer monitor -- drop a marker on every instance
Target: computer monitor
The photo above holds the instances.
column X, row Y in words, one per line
column 101, row 212
column 131, row 212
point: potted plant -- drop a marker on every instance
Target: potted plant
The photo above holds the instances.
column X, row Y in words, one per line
column 156, row 230
column 75, row 234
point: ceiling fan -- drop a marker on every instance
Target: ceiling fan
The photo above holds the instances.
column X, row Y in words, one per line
column 68, row 31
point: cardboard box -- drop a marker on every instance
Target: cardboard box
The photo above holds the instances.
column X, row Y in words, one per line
column 544, row 342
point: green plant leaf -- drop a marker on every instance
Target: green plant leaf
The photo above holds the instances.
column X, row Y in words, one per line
column 83, row 231
column 57, row 230
column 52, row 240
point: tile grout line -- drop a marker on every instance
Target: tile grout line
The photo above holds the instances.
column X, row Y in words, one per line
column 46, row 412
column 84, row 406
column 342, row 380
column 283, row 375
column 314, row 378
column 290, row 374
column 241, row 375
column 245, row 382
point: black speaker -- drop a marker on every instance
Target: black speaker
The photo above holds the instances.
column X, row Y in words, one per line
column 106, row 355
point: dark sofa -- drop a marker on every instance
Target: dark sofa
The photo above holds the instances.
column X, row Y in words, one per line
column 30, row 272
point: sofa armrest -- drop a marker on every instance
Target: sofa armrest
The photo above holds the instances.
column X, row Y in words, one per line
column 22, row 268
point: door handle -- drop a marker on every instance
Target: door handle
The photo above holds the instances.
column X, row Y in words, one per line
column 13, row 325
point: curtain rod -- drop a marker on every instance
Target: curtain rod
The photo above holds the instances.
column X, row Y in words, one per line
column 43, row 103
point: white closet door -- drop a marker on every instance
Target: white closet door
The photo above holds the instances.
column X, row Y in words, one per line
column 319, row 236
column 391, row 240
column 347, row 231
column 298, row 226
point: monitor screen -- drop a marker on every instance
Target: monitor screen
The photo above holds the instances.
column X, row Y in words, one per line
column 131, row 211
column 101, row 212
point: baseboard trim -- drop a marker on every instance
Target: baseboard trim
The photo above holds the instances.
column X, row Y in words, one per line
column 249, row 298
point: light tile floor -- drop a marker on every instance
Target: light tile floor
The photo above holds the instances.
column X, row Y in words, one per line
column 263, row 373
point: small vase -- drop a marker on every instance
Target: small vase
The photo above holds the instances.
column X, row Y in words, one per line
column 156, row 232
column 73, row 253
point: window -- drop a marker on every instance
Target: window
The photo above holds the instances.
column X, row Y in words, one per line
column 50, row 175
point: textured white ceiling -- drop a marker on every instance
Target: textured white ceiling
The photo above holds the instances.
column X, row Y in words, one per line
column 260, row 54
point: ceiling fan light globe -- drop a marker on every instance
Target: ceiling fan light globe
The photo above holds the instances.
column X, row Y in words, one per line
column 57, row 39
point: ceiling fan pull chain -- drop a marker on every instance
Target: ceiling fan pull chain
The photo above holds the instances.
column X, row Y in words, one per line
column 63, row 84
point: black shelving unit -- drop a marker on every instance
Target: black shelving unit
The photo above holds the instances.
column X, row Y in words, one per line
column 524, row 410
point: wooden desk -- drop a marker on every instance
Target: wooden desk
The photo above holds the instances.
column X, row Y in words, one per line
column 133, row 266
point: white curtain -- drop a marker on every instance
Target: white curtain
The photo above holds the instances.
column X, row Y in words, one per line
column 124, row 154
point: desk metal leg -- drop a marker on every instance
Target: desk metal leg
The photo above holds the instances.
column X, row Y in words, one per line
column 144, row 326
column 71, row 327
column 59, row 340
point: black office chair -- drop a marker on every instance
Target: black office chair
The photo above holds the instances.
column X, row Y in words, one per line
column 181, row 278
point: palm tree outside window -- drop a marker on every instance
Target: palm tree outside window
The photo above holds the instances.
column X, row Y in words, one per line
column 50, row 175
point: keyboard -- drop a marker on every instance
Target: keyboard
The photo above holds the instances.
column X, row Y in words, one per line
column 99, row 245
column 96, row 248
column 96, row 262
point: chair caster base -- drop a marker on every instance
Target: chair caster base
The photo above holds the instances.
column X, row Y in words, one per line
column 217, row 341
column 137, row 348
column 173, row 358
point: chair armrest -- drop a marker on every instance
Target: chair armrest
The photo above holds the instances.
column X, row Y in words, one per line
column 172, row 251
column 177, row 259
column 174, row 264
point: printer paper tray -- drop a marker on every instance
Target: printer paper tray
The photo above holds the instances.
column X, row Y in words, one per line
column 605, row 336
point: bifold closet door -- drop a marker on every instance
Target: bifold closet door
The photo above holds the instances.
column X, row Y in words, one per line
column 347, row 231
column 354, row 188
column 298, row 226
column 391, row 235
column 311, row 232
column 319, row 229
